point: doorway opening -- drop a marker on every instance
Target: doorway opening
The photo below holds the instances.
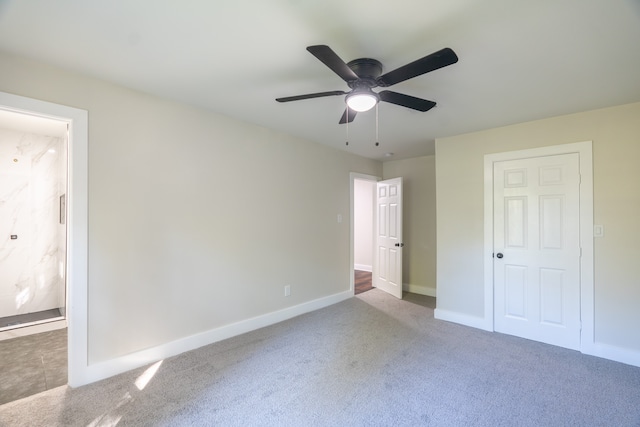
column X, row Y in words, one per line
column 384, row 251
column 33, row 231
column 72, row 209
column 362, row 231
column 33, row 254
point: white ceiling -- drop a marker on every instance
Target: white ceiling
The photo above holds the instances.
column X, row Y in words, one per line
column 519, row 60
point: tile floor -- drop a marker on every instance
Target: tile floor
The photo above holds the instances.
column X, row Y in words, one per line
column 32, row 364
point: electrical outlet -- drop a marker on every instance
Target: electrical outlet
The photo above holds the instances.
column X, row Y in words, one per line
column 287, row 290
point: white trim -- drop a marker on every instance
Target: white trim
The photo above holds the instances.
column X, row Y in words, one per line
column 462, row 319
column 611, row 352
column 363, row 267
column 419, row 289
column 106, row 369
column 77, row 222
column 584, row 150
column 488, row 243
column 352, row 177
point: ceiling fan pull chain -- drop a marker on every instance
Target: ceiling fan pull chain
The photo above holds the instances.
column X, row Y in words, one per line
column 347, row 143
column 377, row 133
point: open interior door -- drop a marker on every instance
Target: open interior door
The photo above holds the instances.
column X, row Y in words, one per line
column 387, row 271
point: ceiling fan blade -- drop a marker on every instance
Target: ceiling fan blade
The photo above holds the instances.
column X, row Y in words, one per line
column 352, row 115
column 406, row 100
column 436, row 60
column 311, row 95
column 333, row 61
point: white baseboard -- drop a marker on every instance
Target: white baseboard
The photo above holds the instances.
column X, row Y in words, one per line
column 605, row 351
column 419, row 289
column 363, row 267
column 463, row 319
column 109, row 368
column 611, row 352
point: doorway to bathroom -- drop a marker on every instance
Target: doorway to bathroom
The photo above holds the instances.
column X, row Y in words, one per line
column 33, row 254
column 76, row 122
column 33, row 223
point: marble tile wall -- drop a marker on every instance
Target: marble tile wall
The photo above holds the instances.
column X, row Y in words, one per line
column 32, row 179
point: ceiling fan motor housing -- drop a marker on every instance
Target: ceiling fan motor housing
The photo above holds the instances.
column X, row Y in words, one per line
column 367, row 69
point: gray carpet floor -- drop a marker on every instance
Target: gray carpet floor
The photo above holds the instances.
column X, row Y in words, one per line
column 369, row 361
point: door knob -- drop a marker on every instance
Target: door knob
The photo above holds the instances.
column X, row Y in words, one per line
column 400, row 245
column 499, row 255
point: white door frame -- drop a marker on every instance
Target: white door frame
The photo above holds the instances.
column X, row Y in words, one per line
column 77, row 223
column 352, row 177
column 584, row 150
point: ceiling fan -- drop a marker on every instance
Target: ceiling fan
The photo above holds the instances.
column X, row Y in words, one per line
column 362, row 75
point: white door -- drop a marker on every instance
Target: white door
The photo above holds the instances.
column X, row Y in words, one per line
column 537, row 249
column 387, row 271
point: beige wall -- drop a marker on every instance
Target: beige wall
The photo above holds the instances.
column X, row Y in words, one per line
column 615, row 133
column 196, row 220
column 419, row 221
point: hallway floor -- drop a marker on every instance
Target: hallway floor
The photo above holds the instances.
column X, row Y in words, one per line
column 362, row 281
column 32, row 364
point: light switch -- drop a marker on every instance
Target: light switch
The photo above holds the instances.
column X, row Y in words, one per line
column 339, row 218
column 598, row 231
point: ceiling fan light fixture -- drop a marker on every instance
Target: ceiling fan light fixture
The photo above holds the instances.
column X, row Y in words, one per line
column 362, row 100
